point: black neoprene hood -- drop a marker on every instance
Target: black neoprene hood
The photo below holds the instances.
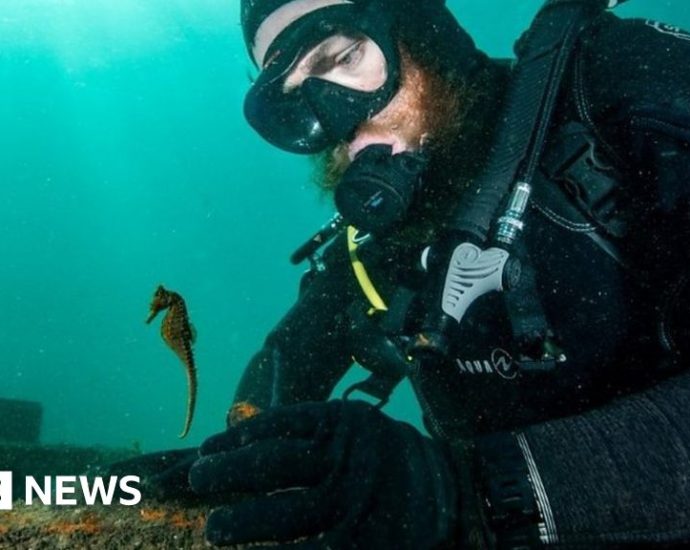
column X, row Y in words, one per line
column 255, row 12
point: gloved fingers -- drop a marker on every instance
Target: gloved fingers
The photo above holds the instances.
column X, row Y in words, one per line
column 296, row 421
column 172, row 483
column 291, row 517
column 263, row 466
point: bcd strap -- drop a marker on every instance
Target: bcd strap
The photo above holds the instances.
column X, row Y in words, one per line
column 543, row 54
column 587, row 195
column 378, row 352
column 534, row 341
column 590, row 183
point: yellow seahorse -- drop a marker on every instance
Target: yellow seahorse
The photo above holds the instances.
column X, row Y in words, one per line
column 178, row 333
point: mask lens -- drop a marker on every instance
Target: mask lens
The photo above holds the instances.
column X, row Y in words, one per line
column 351, row 61
column 284, row 119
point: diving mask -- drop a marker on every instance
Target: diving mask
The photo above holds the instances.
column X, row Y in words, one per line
column 317, row 113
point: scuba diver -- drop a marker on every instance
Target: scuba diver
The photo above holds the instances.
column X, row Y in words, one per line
column 512, row 238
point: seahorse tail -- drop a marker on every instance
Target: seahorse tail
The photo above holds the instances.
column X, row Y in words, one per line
column 191, row 391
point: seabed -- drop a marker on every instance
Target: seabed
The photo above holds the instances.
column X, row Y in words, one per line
column 151, row 526
column 147, row 525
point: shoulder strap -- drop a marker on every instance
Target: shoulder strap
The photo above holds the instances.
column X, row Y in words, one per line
column 543, row 53
column 376, row 348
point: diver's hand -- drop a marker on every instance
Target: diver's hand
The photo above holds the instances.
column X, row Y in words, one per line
column 164, row 475
column 339, row 474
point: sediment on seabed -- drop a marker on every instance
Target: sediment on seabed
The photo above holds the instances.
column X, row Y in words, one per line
column 150, row 526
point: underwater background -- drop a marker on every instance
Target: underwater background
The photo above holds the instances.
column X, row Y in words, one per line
column 125, row 163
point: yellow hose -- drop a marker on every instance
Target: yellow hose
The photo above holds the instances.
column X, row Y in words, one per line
column 377, row 303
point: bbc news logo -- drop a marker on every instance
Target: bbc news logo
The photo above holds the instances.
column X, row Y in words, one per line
column 63, row 490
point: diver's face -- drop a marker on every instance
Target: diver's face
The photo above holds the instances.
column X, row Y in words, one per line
column 357, row 62
column 326, row 67
column 403, row 123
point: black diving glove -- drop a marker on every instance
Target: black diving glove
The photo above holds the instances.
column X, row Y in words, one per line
column 336, row 474
column 164, row 475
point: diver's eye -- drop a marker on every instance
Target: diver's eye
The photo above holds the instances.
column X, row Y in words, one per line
column 355, row 62
column 350, row 56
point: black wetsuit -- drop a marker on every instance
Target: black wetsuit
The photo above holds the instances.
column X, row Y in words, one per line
column 607, row 432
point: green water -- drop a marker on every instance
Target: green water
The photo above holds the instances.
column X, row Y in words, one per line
column 125, row 162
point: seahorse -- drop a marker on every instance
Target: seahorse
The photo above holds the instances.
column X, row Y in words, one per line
column 178, row 333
